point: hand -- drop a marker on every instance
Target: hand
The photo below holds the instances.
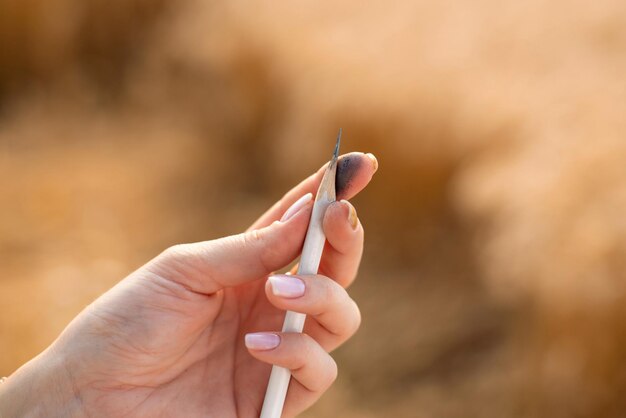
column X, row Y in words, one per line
column 183, row 335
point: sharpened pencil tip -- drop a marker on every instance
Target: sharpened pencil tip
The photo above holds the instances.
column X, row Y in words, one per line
column 336, row 153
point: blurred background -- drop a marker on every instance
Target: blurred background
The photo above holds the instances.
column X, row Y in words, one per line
column 493, row 283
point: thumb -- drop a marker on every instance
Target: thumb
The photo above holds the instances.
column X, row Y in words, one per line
column 206, row 267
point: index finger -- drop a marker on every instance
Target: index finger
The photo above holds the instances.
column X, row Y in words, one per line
column 354, row 172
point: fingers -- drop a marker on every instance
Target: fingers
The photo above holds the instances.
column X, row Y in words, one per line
column 206, row 267
column 313, row 370
column 344, row 243
column 354, row 172
column 336, row 317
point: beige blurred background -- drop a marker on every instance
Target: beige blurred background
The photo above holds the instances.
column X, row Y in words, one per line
column 493, row 283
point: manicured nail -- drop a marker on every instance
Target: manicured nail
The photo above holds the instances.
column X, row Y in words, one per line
column 287, row 286
column 352, row 218
column 374, row 160
column 262, row 341
column 295, row 208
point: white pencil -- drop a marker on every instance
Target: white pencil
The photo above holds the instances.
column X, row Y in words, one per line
column 309, row 263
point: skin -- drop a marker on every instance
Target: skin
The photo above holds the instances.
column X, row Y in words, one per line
column 168, row 340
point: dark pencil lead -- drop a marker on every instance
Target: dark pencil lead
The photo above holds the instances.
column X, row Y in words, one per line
column 336, row 153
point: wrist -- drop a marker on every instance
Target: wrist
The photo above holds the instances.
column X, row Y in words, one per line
column 40, row 388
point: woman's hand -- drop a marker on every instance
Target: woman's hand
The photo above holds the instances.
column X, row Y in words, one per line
column 183, row 335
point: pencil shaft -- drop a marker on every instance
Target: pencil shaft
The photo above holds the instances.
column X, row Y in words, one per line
column 309, row 263
column 294, row 322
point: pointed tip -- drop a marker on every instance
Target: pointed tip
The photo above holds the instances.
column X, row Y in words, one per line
column 336, row 153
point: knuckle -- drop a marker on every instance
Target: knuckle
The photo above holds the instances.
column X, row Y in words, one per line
column 175, row 254
column 331, row 373
column 305, row 353
column 178, row 262
column 350, row 321
column 330, row 291
column 311, row 354
column 257, row 238
column 252, row 237
column 356, row 318
column 307, row 346
column 173, row 251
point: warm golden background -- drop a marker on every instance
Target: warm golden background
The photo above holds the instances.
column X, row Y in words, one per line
column 494, row 278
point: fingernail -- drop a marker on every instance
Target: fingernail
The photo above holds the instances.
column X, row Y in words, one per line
column 262, row 341
column 352, row 217
column 295, row 208
column 287, row 286
column 373, row 159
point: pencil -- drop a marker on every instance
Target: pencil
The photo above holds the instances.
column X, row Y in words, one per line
column 309, row 263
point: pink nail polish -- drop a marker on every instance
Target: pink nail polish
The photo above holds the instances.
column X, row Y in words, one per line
column 287, row 286
column 262, row 341
column 295, row 208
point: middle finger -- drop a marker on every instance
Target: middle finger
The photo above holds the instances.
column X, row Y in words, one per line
column 335, row 316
